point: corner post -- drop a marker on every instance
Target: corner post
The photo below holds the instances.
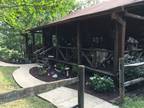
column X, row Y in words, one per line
column 26, row 45
column 121, row 79
column 81, row 76
column 119, row 48
column 33, row 41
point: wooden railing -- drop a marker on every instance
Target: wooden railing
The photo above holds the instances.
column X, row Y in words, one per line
column 68, row 55
column 32, row 91
column 39, row 50
column 122, row 83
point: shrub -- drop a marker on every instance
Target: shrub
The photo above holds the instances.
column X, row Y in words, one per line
column 133, row 72
column 9, row 54
column 60, row 66
column 101, row 84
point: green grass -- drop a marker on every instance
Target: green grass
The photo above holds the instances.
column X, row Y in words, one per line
column 7, row 83
column 133, row 102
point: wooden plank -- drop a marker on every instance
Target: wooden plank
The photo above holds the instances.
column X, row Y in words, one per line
column 88, row 60
column 81, row 76
column 39, row 50
column 100, row 71
column 70, row 48
column 134, row 64
column 135, row 16
column 45, row 51
column 61, row 53
column 132, row 82
column 32, row 91
column 121, row 79
column 96, row 49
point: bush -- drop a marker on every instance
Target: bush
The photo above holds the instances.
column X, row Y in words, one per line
column 101, row 84
column 9, row 55
column 133, row 72
column 60, row 66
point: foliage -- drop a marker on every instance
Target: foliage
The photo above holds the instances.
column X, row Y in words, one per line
column 133, row 72
column 134, row 102
column 16, row 16
column 87, row 3
column 101, row 84
column 60, row 66
column 24, row 14
column 9, row 54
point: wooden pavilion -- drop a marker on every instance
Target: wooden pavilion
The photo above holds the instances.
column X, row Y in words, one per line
column 96, row 37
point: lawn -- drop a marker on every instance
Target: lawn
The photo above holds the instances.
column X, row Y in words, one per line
column 7, row 83
column 134, row 102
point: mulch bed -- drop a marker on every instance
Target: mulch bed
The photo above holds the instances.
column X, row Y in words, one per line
column 108, row 96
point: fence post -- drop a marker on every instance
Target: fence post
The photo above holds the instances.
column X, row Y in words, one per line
column 121, row 79
column 81, row 87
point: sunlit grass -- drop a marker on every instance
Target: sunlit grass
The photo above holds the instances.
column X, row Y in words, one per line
column 133, row 102
column 7, row 83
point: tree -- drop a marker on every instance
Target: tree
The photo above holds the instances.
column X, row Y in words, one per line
column 16, row 16
column 24, row 14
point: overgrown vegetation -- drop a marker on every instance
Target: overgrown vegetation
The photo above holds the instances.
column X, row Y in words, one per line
column 101, row 83
column 136, row 71
column 16, row 16
column 133, row 102
column 7, row 83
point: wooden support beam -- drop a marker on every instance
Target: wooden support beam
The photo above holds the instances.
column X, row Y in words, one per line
column 100, row 71
column 132, row 82
column 121, row 79
column 88, row 60
column 33, row 41
column 47, row 37
column 39, row 50
column 119, row 42
column 32, row 91
column 26, row 45
column 61, row 53
column 81, row 88
column 45, row 51
column 78, row 44
column 131, row 15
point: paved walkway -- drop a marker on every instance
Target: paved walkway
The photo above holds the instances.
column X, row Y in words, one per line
column 61, row 97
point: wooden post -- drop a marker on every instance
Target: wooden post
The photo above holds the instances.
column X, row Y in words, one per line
column 44, row 35
column 47, row 37
column 26, row 45
column 32, row 91
column 78, row 43
column 33, row 41
column 81, row 76
column 56, row 34
column 121, row 79
column 119, row 44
